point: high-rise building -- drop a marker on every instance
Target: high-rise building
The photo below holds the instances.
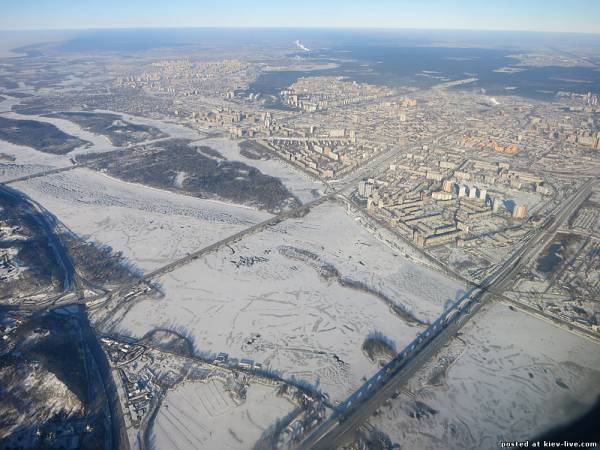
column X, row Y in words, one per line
column 365, row 188
column 519, row 212
column 447, row 186
column 473, row 192
column 496, row 203
column 440, row 195
column 462, row 192
column 482, row 195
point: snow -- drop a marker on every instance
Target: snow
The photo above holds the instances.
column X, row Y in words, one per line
column 340, row 240
column 296, row 181
column 98, row 142
column 513, row 377
column 280, row 312
column 27, row 161
column 8, row 103
column 175, row 130
column 59, row 399
column 202, row 415
column 39, row 394
column 151, row 227
column 179, row 179
column 532, row 200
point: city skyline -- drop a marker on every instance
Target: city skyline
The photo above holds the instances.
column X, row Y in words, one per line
column 534, row 15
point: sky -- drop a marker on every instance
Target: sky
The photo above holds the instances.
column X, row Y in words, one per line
column 524, row 15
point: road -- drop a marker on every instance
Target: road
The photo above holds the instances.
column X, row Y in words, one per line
column 341, row 426
column 348, row 182
column 76, row 164
column 41, row 174
column 148, row 277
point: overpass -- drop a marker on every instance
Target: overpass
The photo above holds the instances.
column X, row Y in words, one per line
column 339, row 428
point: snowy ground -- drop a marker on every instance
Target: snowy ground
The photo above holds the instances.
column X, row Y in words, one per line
column 151, row 227
column 27, row 161
column 296, row 181
column 203, row 415
column 508, row 377
column 8, row 103
column 98, row 142
column 513, row 197
column 28, row 156
column 173, row 129
column 279, row 311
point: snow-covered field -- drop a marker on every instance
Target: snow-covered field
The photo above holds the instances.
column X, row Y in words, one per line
column 151, row 227
column 508, row 377
column 203, row 415
column 173, row 129
column 252, row 300
column 27, row 161
column 98, row 142
column 296, row 181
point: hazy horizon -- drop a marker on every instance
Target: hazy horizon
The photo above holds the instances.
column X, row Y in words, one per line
column 577, row 16
column 274, row 27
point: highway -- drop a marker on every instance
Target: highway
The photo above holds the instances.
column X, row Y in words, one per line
column 93, row 302
column 357, row 409
column 341, row 426
column 41, row 174
column 348, row 182
column 148, row 277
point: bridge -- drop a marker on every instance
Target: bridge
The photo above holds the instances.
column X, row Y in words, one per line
column 339, row 428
